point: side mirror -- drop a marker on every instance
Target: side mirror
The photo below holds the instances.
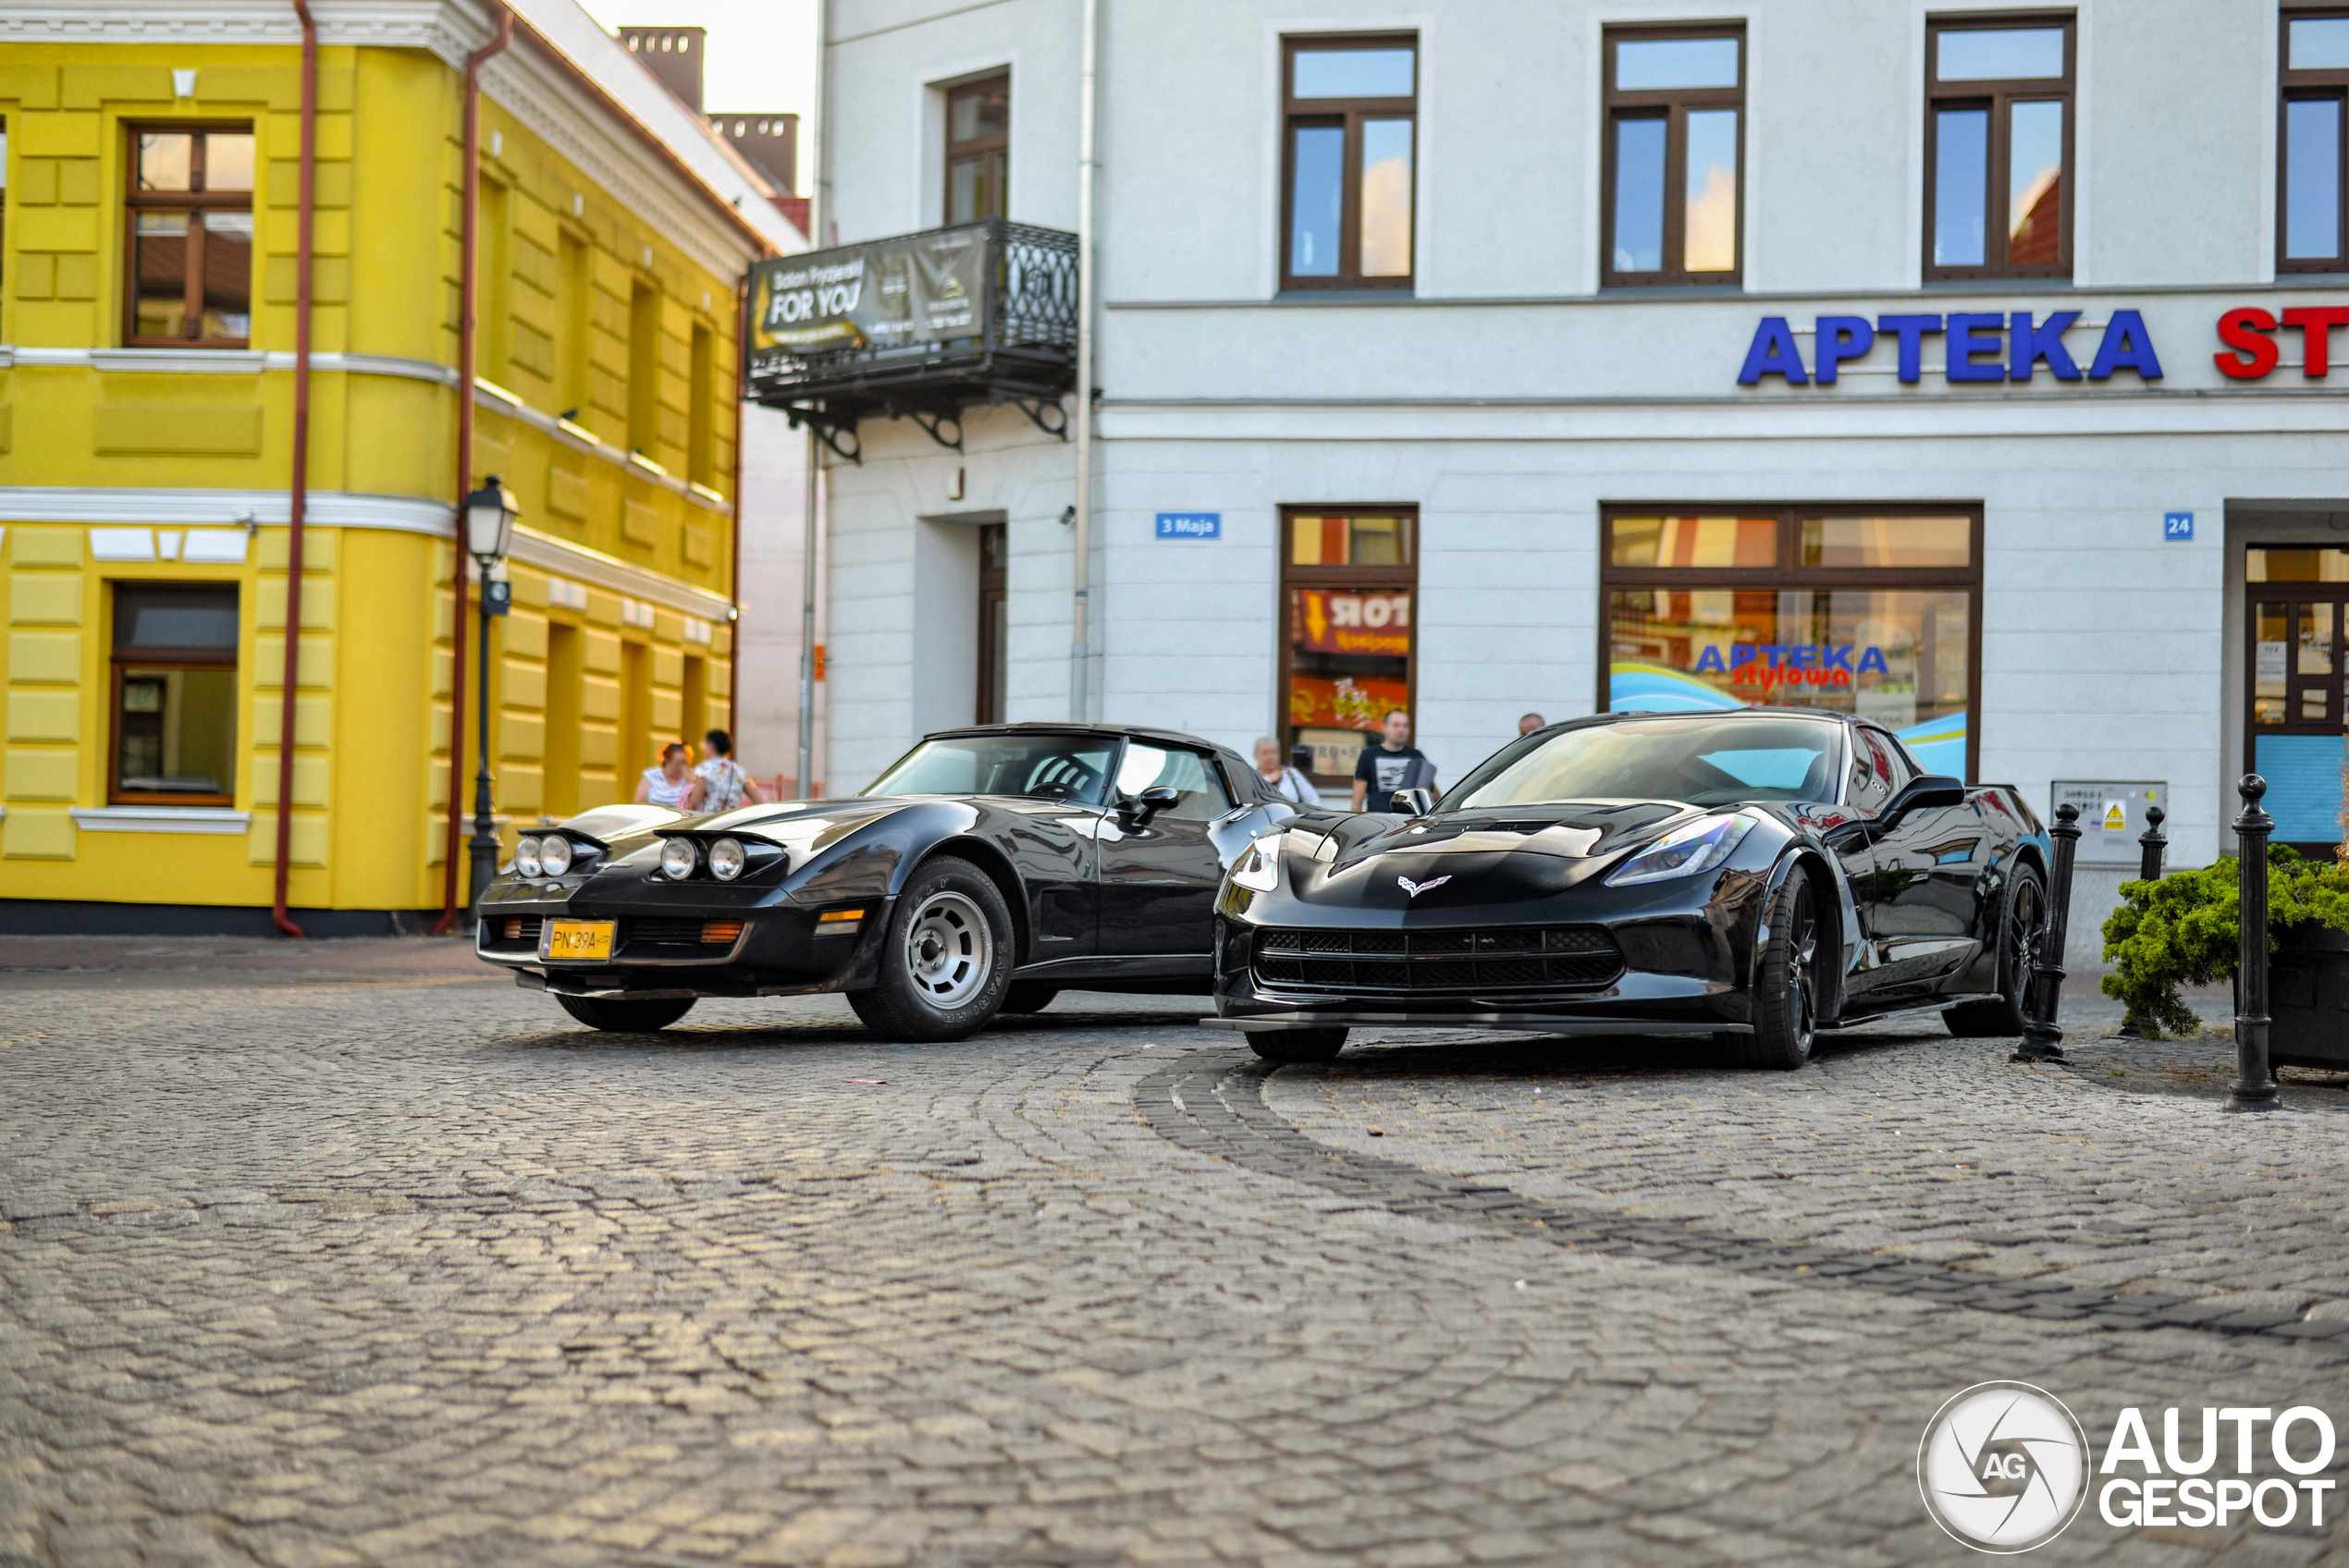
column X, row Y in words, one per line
column 1926, row 792
column 1136, row 811
column 1412, row 802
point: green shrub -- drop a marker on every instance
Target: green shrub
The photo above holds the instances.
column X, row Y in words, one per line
column 2185, row 930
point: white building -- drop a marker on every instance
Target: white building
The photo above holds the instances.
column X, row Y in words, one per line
column 1551, row 357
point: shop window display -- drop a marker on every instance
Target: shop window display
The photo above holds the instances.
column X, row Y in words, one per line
column 2298, row 623
column 1865, row 612
column 1350, row 586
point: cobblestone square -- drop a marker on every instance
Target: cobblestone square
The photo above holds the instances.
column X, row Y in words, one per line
column 336, row 1253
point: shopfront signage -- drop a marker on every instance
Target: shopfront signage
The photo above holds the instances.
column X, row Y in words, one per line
column 1976, row 347
column 1354, row 623
column 1769, row 665
column 1190, row 525
column 2250, row 333
column 927, row 287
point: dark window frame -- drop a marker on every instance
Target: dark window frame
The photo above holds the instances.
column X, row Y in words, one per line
column 1347, row 114
column 1292, row 577
column 1672, row 105
column 1998, row 96
column 120, row 658
column 994, row 145
column 2297, row 85
column 994, row 575
column 1789, row 516
column 136, row 200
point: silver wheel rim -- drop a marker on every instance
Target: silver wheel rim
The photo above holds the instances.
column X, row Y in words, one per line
column 949, row 949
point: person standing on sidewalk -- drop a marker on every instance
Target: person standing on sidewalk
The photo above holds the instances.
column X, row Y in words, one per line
column 1286, row 782
column 1391, row 764
column 724, row 785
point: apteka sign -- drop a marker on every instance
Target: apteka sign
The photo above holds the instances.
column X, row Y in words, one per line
column 1992, row 346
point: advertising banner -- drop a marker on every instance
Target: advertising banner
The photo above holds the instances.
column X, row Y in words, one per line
column 1354, row 621
column 927, row 287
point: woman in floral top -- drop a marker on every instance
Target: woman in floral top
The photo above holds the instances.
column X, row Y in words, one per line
column 724, row 785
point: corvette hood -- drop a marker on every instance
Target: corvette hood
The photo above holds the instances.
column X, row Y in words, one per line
column 1476, row 858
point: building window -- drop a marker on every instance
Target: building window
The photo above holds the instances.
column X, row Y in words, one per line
column 2299, row 625
column 979, row 149
column 189, row 213
column 1860, row 609
column 644, row 370
column 1349, row 128
column 1349, row 581
column 1675, row 141
column 994, row 620
column 174, row 695
column 2309, row 143
column 1998, row 147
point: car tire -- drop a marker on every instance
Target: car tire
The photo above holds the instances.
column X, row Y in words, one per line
column 623, row 1017
column 1786, row 983
column 946, row 960
column 1297, row 1045
column 2021, row 926
column 1028, row 996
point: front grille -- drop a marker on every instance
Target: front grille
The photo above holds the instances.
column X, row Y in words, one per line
column 650, row 935
column 513, row 933
column 1500, row 959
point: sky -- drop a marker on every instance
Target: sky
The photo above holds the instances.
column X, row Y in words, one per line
column 762, row 52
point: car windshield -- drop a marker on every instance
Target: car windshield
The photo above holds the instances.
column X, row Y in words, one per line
column 1701, row 762
column 1050, row 768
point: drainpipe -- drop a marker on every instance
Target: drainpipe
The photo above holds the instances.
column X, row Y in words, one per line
column 468, row 294
column 734, row 496
column 299, row 505
column 811, row 522
column 1080, row 644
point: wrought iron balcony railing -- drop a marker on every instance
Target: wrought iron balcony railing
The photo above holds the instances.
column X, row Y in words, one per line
column 922, row 325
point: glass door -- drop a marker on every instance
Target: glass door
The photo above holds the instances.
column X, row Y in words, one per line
column 2299, row 603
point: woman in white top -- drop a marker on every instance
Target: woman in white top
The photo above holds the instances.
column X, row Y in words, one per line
column 1286, row 782
column 671, row 784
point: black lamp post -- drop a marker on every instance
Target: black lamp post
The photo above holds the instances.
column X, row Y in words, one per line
column 489, row 531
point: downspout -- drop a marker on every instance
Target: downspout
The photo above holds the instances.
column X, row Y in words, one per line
column 305, row 203
column 1080, row 644
column 468, row 294
column 735, row 497
column 811, row 523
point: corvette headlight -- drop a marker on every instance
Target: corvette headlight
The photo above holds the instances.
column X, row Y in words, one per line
column 727, row 859
column 1686, row 850
column 678, row 858
column 527, row 855
column 1260, row 865
column 554, row 854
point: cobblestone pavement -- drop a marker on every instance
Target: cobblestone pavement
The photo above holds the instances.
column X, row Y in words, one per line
column 408, row 1269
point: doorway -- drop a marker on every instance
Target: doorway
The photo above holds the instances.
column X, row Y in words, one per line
column 994, row 616
column 2296, row 612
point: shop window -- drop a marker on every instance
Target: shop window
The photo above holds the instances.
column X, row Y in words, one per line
column 174, row 695
column 994, row 618
column 1869, row 611
column 1675, row 107
column 1349, row 582
column 190, row 211
column 2310, row 148
column 2299, row 627
column 1350, row 131
column 979, row 150
column 1998, row 147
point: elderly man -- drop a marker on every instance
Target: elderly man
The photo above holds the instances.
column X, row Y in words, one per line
column 1286, row 782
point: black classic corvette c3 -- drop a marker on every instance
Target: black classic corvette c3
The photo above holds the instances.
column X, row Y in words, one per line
column 1754, row 874
column 984, row 871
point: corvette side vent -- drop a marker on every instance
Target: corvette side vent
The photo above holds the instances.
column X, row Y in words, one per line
column 1460, row 962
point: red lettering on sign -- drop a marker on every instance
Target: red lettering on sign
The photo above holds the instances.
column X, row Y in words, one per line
column 2316, row 324
column 2245, row 329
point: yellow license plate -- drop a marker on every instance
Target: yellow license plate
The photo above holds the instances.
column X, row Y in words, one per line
column 579, row 938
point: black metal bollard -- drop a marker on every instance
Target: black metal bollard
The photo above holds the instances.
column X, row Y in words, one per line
column 2042, row 1040
column 2150, row 844
column 2254, row 1084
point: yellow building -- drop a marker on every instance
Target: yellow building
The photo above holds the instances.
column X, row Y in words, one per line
column 148, row 311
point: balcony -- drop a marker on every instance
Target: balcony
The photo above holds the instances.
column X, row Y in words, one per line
column 920, row 327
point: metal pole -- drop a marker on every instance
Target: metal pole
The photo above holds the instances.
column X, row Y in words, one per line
column 1079, row 643
column 2042, row 1039
column 2254, row 1084
column 484, row 838
column 811, row 497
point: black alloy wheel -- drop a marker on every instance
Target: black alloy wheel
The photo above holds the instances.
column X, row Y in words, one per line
column 2020, row 929
column 622, row 1017
column 946, row 960
column 1297, row 1045
column 1786, row 983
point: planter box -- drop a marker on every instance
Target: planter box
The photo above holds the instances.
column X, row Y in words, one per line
column 2309, row 997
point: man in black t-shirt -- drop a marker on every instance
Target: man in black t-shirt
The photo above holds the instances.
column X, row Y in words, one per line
column 1391, row 764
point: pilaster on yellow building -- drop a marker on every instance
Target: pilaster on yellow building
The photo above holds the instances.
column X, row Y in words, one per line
column 148, row 289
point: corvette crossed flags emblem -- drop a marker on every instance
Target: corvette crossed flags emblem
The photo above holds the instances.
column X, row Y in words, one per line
column 1416, row 888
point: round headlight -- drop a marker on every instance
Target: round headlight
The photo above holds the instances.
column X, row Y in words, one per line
column 727, row 859
column 678, row 859
column 527, row 855
column 554, row 854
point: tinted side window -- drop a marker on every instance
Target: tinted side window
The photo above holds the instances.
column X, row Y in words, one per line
column 1877, row 768
column 1200, row 792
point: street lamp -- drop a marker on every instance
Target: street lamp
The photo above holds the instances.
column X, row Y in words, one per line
column 489, row 531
